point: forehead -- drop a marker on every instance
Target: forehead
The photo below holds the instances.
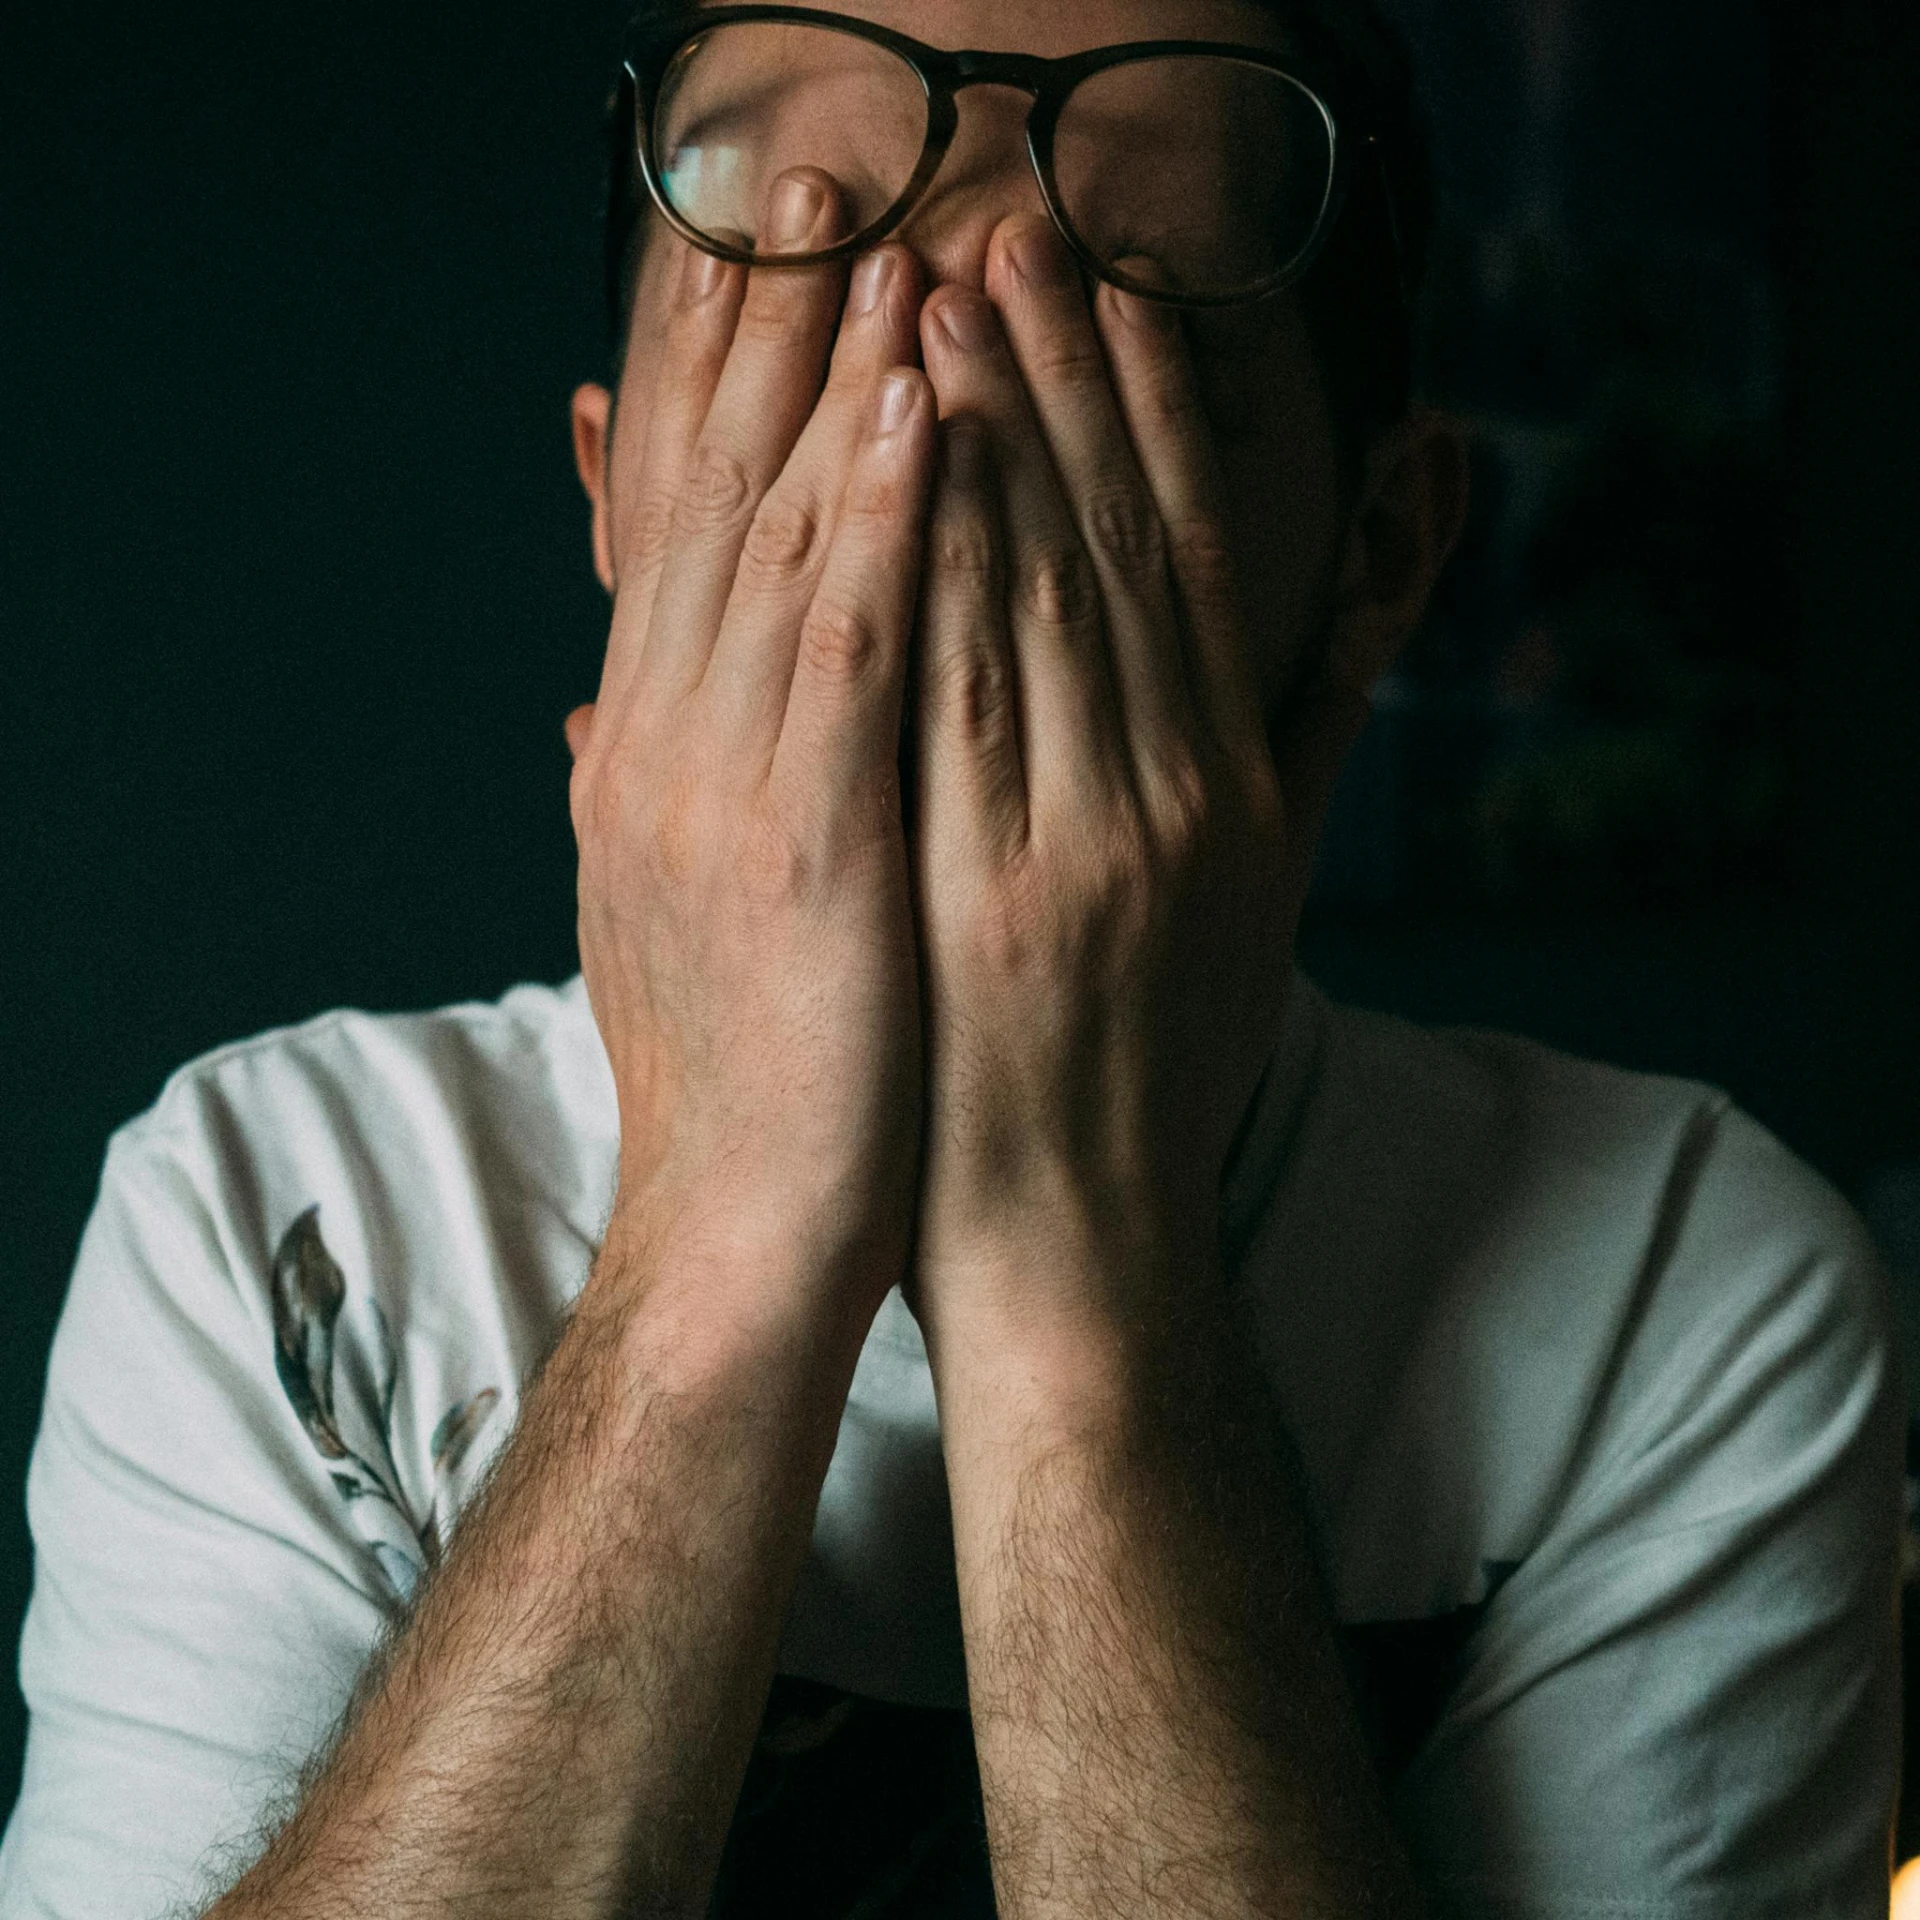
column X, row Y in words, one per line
column 1056, row 27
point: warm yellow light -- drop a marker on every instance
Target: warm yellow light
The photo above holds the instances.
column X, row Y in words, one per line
column 1906, row 1892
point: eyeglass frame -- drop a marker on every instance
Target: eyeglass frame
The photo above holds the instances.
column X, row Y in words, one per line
column 1049, row 83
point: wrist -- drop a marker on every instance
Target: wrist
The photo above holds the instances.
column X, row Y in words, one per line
column 747, row 1280
column 1076, row 1308
column 1064, row 1247
column 832, row 1212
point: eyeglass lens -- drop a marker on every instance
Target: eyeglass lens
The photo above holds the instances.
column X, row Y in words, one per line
column 1205, row 174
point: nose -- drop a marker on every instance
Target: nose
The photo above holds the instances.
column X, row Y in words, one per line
column 985, row 177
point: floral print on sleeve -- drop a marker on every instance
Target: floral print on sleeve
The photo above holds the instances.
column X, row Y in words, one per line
column 309, row 1291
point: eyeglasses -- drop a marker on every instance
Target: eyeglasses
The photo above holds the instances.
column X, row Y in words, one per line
column 1197, row 173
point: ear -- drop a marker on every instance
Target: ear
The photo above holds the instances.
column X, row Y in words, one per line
column 592, row 424
column 1413, row 503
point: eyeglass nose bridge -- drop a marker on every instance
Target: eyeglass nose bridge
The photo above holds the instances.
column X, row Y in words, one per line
column 1026, row 72
column 1032, row 74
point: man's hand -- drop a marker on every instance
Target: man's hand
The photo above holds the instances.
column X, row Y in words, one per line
column 1110, row 871
column 745, row 922
column 563, row 1726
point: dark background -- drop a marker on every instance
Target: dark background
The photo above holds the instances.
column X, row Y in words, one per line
column 294, row 588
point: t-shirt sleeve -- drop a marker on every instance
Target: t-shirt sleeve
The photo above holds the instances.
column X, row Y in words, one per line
column 201, row 1605
column 1684, row 1703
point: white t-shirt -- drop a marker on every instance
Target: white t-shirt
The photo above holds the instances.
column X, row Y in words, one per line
column 1590, row 1380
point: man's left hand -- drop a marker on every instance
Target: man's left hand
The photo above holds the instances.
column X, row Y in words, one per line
column 1110, row 862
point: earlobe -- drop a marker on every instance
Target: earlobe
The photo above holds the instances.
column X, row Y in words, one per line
column 1413, row 504
column 592, row 426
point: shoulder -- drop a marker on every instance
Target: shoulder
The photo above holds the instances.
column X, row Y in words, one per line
column 315, row 1274
column 379, row 1217
column 1521, row 1268
column 384, row 1078
column 1571, row 1167
column 402, row 1128
column 443, row 1151
column 1592, row 1361
column 1569, row 1118
column 1656, row 1195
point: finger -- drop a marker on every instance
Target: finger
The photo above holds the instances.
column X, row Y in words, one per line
column 839, row 752
column 1071, row 735
column 971, row 786
column 1037, row 286
column 702, row 312
column 751, row 674
column 1160, row 400
column 764, row 398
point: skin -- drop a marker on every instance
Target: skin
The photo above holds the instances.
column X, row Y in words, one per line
column 988, row 1039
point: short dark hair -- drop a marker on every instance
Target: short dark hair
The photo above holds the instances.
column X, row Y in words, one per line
column 1361, row 296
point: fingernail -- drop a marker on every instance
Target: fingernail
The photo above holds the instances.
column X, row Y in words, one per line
column 968, row 321
column 796, row 205
column 871, row 280
column 1040, row 257
column 898, row 394
column 702, row 274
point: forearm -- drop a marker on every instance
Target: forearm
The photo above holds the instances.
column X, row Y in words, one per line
column 563, row 1725
column 1160, row 1713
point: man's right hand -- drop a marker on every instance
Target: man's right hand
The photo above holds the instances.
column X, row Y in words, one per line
column 745, row 923
column 562, row 1728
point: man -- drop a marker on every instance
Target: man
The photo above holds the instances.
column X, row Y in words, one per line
column 1052, row 1398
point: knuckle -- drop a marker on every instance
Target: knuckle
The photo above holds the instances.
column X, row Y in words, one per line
column 717, row 493
column 961, row 546
column 779, row 308
column 839, row 640
column 1124, row 528
column 970, row 688
column 651, row 534
column 776, row 871
column 603, row 811
column 1113, row 874
column 784, row 541
column 1183, row 802
column 675, row 832
column 1173, row 407
column 1072, row 359
column 1204, row 556
column 876, row 503
column 1007, row 935
column 1055, row 585
column 1124, row 871
column 1013, row 920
